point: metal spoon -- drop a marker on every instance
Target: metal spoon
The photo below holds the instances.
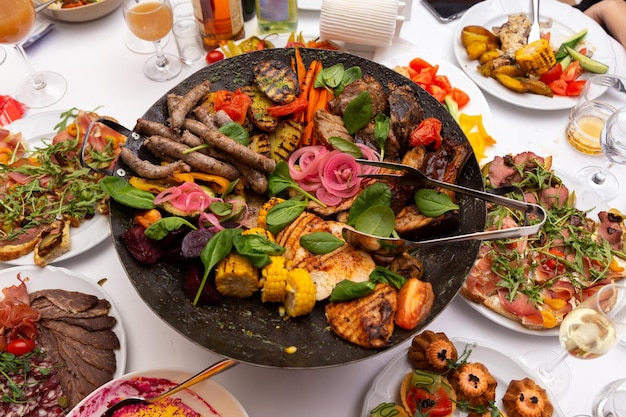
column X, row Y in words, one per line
column 535, row 31
column 210, row 371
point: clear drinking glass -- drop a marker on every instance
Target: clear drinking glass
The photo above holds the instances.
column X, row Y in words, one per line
column 613, row 142
column 3, row 55
column 151, row 20
column 40, row 89
column 611, row 400
column 588, row 331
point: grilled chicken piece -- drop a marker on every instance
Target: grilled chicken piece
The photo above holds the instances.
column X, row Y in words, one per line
column 367, row 321
column 345, row 262
column 368, row 83
column 513, row 34
column 276, row 80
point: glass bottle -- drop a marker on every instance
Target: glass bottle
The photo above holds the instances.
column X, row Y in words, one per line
column 220, row 20
column 277, row 16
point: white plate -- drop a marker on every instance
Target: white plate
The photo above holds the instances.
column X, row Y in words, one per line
column 586, row 199
column 52, row 277
column 310, row 4
column 567, row 20
column 477, row 104
column 386, row 386
column 91, row 232
column 208, row 398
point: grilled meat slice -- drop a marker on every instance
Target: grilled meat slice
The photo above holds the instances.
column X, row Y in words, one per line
column 367, row 321
column 328, row 125
column 380, row 103
column 71, row 302
column 406, row 113
column 276, row 80
column 345, row 262
column 411, row 224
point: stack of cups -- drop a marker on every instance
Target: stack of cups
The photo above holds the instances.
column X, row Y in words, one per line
column 186, row 32
column 373, row 23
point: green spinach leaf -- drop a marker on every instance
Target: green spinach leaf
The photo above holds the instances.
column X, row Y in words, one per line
column 382, row 125
column 280, row 180
column 257, row 248
column 283, row 214
column 347, row 290
column 162, row 227
column 377, row 193
column 387, row 276
column 236, row 132
column 345, row 146
column 216, row 249
column 124, row 193
column 320, row 243
column 358, row 112
column 377, row 220
column 432, row 203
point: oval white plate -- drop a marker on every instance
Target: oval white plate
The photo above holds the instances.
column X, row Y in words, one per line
column 91, row 232
column 586, row 199
column 478, row 102
column 567, row 20
column 386, row 386
column 208, row 398
column 52, row 277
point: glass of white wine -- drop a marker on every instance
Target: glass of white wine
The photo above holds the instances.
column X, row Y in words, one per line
column 613, row 142
column 588, row 331
column 151, row 20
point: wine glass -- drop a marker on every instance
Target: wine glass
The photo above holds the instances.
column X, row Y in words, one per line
column 613, row 142
column 41, row 89
column 151, row 20
column 3, row 55
column 590, row 330
column 611, row 400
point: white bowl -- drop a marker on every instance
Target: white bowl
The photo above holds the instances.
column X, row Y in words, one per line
column 80, row 14
column 207, row 398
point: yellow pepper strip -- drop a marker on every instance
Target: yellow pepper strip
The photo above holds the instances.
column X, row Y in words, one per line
column 614, row 266
column 154, row 187
column 182, row 177
column 476, row 133
column 219, row 184
column 555, row 303
column 549, row 320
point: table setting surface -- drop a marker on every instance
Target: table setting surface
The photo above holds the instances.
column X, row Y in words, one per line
column 103, row 74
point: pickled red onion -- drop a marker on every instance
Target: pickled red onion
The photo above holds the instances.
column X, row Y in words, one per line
column 188, row 197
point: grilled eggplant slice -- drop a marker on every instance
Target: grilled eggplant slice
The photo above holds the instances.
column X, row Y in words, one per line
column 260, row 143
column 257, row 112
column 277, row 80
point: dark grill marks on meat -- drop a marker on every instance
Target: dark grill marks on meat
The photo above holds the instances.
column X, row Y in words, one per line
column 406, row 113
column 77, row 333
column 380, row 103
column 328, row 125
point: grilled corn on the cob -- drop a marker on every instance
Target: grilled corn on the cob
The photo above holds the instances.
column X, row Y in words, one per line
column 301, row 291
column 536, row 58
column 236, row 276
column 260, row 231
column 267, row 206
column 274, row 280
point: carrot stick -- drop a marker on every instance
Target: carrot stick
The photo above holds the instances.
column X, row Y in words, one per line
column 309, row 79
column 300, row 67
column 307, row 134
column 314, row 96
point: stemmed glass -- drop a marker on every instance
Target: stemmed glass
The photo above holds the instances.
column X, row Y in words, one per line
column 3, row 55
column 151, row 20
column 588, row 331
column 41, row 89
column 613, row 142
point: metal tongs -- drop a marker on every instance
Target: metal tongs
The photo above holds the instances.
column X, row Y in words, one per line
column 414, row 177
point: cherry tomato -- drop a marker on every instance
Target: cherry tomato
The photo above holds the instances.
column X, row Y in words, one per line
column 437, row 404
column 460, row 97
column 427, row 132
column 20, row 346
column 235, row 104
column 214, row 56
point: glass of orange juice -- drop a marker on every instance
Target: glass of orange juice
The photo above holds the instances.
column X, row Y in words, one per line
column 40, row 89
column 601, row 97
column 151, row 20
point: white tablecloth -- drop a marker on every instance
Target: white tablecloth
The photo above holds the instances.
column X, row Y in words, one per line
column 101, row 71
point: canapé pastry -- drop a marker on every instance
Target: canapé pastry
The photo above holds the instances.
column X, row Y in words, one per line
column 473, row 384
column 524, row 398
column 432, row 352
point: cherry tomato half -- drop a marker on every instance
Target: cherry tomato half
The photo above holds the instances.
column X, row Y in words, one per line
column 20, row 346
column 214, row 56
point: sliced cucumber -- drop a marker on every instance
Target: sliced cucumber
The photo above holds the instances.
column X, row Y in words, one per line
column 565, row 62
column 570, row 42
column 587, row 63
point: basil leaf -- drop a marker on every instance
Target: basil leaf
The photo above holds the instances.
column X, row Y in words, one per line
column 378, row 220
column 387, row 276
column 432, row 204
column 382, row 125
column 257, row 248
column 216, row 249
column 220, row 208
column 320, row 243
column 347, row 290
column 345, row 146
column 283, row 214
column 350, row 75
column 162, row 227
column 377, row 193
column 358, row 112
column 236, row 132
column 124, row 193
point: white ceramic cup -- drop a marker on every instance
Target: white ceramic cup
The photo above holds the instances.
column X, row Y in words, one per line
column 188, row 42
column 373, row 23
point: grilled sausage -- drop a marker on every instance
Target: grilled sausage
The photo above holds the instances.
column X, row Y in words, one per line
column 147, row 169
column 149, row 127
column 187, row 102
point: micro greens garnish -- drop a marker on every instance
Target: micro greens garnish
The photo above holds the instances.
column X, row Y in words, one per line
column 12, row 365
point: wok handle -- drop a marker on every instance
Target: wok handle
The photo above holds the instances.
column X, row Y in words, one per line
column 113, row 125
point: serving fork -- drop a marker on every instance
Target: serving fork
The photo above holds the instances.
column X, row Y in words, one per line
column 414, row 177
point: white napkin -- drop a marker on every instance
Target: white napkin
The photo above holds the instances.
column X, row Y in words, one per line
column 361, row 22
